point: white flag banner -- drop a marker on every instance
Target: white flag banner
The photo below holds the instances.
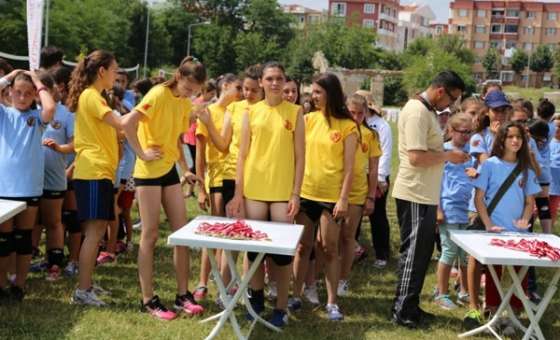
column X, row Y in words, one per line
column 34, row 28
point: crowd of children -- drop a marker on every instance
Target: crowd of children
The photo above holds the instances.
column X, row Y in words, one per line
column 81, row 148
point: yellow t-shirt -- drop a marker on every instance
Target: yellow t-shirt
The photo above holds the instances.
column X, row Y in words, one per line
column 236, row 109
column 418, row 130
column 165, row 118
column 214, row 158
column 97, row 150
column 368, row 147
column 270, row 165
column 324, row 156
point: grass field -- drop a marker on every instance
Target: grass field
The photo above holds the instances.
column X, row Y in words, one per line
column 47, row 314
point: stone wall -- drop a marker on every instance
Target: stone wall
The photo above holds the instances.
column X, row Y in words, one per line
column 352, row 80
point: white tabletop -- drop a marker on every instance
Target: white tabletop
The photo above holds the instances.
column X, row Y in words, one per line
column 284, row 237
column 477, row 244
column 9, row 209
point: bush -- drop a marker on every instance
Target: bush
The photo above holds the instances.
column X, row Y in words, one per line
column 394, row 92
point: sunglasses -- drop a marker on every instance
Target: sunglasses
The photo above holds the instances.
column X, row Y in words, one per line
column 453, row 98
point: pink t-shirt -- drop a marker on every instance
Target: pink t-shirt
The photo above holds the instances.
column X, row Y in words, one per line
column 189, row 137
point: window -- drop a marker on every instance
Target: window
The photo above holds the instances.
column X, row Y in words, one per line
column 369, row 8
column 368, row 23
column 512, row 13
column 479, row 44
column 496, row 28
column 552, row 15
column 529, row 30
column 527, row 46
column 507, row 76
column 511, row 44
column 338, row 9
column 481, row 13
column 531, row 15
column 463, row 13
column 511, row 29
column 498, row 13
column 496, row 43
column 480, row 29
column 461, row 28
column 550, row 31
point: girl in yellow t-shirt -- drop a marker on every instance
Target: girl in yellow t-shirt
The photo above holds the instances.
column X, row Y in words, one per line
column 269, row 176
column 228, row 139
column 331, row 140
column 154, row 130
column 362, row 194
column 97, row 157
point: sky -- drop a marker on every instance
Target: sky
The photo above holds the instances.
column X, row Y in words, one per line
column 440, row 7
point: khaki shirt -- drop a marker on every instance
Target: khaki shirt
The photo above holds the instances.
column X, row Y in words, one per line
column 418, row 129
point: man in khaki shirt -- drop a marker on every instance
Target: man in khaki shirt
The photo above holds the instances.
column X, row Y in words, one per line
column 417, row 189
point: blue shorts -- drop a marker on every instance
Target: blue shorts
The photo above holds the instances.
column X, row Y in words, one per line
column 95, row 199
column 449, row 249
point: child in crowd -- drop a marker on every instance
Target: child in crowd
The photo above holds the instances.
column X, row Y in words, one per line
column 456, row 192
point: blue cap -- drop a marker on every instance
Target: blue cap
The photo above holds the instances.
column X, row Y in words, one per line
column 496, row 99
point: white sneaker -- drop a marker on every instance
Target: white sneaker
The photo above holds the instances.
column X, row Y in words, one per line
column 71, row 269
column 311, row 295
column 343, row 288
column 137, row 226
column 87, row 297
column 272, row 290
column 333, row 313
column 380, row 264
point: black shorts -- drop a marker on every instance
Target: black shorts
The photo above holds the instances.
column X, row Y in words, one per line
column 70, row 185
column 279, row 260
column 228, row 190
column 30, row 201
column 95, row 199
column 216, row 190
column 169, row 179
column 123, row 181
column 314, row 209
column 53, row 194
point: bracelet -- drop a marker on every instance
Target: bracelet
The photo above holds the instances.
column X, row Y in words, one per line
column 42, row 88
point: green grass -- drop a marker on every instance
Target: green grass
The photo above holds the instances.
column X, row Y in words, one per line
column 47, row 314
column 532, row 94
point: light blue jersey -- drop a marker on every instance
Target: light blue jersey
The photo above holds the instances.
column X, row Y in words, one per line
column 126, row 165
column 61, row 130
column 21, row 156
column 493, row 173
column 456, row 189
column 555, row 167
column 481, row 143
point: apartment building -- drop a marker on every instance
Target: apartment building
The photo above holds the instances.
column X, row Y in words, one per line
column 505, row 25
column 304, row 17
column 414, row 22
column 439, row 28
column 379, row 15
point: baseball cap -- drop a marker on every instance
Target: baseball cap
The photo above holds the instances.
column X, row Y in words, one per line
column 496, row 99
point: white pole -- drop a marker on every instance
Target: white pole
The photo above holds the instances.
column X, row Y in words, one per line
column 47, row 4
column 146, row 44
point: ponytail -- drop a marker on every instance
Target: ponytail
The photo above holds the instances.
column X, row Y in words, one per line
column 85, row 74
column 189, row 68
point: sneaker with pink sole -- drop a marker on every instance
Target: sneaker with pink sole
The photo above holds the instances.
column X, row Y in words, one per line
column 105, row 257
column 155, row 308
column 200, row 293
column 187, row 304
column 53, row 273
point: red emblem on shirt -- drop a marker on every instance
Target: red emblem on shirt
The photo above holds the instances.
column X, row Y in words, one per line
column 364, row 147
column 288, row 125
column 335, row 136
column 146, row 107
column 475, row 142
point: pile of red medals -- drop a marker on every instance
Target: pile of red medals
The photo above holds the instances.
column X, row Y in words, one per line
column 238, row 230
column 535, row 248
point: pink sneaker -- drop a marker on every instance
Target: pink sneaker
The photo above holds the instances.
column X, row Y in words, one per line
column 200, row 293
column 105, row 257
column 53, row 273
column 156, row 309
column 187, row 304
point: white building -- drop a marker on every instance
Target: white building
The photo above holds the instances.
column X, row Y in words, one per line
column 414, row 22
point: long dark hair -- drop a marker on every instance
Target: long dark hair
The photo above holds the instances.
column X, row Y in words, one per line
column 523, row 155
column 85, row 74
column 189, row 68
column 336, row 105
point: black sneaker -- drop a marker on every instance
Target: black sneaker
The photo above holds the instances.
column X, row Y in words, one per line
column 256, row 299
column 425, row 316
column 408, row 323
column 155, row 308
column 16, row 293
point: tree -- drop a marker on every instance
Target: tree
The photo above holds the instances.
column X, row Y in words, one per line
column 421, row 71
column 557, row 62
column 490, row 62
column 252, row 47
column 519, row 61
column 541, row 61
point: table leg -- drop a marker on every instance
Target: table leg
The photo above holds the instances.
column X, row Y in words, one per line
column 534, row 318
column 228, row 303
column 511, row 314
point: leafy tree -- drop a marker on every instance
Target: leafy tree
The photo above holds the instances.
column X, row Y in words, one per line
column 557, row 62
column 13, row 36
column 541, row 59
column 213, row 45
column 252, row 47
column 176, row 21
column 394, row 92
column 519, row 61
column 490, row 62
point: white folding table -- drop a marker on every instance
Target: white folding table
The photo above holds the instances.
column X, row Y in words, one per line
column 477, row 244
column 284, row 239
column 9, row 209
